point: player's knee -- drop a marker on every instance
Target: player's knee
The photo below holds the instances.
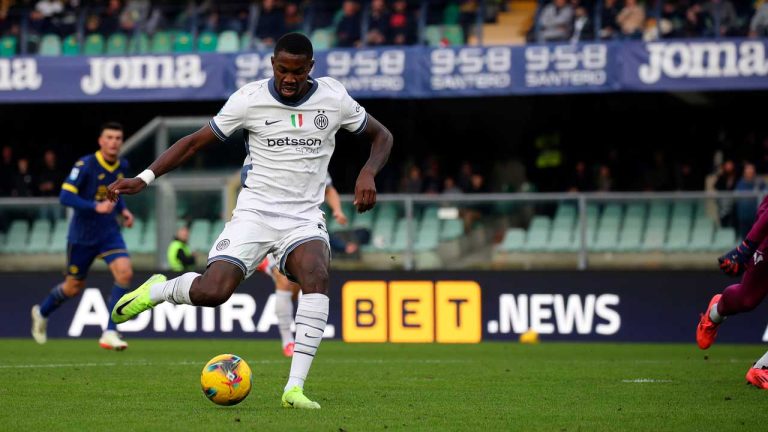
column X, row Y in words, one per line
column 73, row 287
column 124, row 276
column 315, row 276
column 215, row 291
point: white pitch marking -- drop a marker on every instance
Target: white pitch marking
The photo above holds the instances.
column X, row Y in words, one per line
column 645, row 380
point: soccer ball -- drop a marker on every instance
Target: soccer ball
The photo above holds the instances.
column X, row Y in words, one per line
column 226, row 379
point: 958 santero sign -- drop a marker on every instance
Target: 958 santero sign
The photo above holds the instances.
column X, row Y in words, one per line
column 412, row 311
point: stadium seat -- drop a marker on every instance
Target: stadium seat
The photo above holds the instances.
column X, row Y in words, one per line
column 334, row 226
column 677, row 240
column 451, row 229
column 207, row 41
column 134, row 235
column 200, row 235
column 227, row 42
column 70, row 46
column 383, row 230
column 183, row 43
column 50, row 45
column 8, row 46
column 654, row 238
column 702, row 235
column 139, row 44
column 40, row 236
column 454, row 34
column 400, row 239
column 565, row 217
column 428, row 234
column 248, row 42
column 514, row 240
column 537, row 237
column 16, row 237
column 363, row 220
column 323, row 38
column 59, row 237
column 216, row 228
column 162, row 43
column 630, row 238
column 433, row 34
column 725, row 240
column 94, row 45
column 562, row 240
column 117, row 44
column 149, row 240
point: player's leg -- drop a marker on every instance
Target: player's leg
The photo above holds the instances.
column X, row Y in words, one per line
column 308, row 263
column 284, row 292
column 79, row 259
column 757, row 375
column 737, row 298
column 120, row 265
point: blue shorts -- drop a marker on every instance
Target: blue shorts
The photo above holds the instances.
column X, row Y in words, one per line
column 80, row 257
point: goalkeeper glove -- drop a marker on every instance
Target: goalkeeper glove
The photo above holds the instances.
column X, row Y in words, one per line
column 734, row 262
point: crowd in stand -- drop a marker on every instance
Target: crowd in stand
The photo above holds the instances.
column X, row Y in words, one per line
column 575, row 20
column 24, row 177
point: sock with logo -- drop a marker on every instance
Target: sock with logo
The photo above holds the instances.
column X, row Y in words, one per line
column 284, row 312
column 174, row 291
column 311, row 317
column 117, row 292
column 53, row 300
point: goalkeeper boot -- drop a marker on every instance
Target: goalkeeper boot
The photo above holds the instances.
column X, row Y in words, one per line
column 136, row 301
column 706, row 332
column 758, row 377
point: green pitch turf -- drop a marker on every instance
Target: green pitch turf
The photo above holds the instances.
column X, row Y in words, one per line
column 73, row 385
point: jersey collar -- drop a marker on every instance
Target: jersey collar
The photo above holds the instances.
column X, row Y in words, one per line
column 276, row 95
column 106, row 165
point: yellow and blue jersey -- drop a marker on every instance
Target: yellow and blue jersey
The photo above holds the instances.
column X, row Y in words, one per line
column 83, row 188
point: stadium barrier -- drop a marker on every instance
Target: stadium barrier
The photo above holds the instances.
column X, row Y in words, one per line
column 395, row 72
column 424, row 307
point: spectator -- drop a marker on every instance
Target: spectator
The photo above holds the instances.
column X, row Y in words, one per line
column 432, row 182
column 271, row 23
column 42, row 16
column 694, row 21
column 6, row 171
column 672, row 21
column 294, row 21
column 758, row 26
column 135, row 11
column 465, row 176
column 450, row 188
column 604, row 179
column 468, row 10
column 402, row 25
column 555, row 21
column 92, row 24
column 583, row 29
column 477, row 184
column 610, row 28
column 51, row 177
column 180, row 258
column 722, row 16
column 631, row 19
column 747, row 208
column 686, row 179
column 348, row 29
column 378, row 24
column 110, row 18
column 657, row 177
column 413, row 183
column 23, row 182
column 726, row 181
column 581, row 180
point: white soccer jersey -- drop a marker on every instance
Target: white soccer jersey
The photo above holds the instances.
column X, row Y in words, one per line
column 289, row 144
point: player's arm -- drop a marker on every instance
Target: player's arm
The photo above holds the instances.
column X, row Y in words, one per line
column 334, row 202
column 70, row 192
column 381, row 145
column 733, row 262
column 171, row 159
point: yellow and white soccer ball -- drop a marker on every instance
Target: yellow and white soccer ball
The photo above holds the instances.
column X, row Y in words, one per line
column 226, row 379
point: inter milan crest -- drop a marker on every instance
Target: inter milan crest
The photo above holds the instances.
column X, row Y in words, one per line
column 321, row 121
column 222, row 245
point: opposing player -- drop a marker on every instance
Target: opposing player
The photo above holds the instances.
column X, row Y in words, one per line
column 93, row 233
column 291, row 121
column 748, row 259
column 285, row 290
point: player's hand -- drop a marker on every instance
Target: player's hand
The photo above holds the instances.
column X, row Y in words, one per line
column 365, row 192
column 105, row 207
column 127, row 218
column 734, row 262
column 126, row 186
column 340, row 217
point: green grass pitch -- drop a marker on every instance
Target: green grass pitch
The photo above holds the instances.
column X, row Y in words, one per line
column 73, row 385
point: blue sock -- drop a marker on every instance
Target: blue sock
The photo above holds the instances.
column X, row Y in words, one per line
column 117, row 292
column 53, row 301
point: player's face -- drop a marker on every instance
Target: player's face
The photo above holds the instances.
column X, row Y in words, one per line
column 291, row 74
column 110, row 142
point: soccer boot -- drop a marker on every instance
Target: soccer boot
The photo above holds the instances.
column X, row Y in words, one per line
column 294, row 398
column 706, row 332
column 111, row 340
column 39, row 326
column 136, row 301
column 288, row 349
column 758, row 377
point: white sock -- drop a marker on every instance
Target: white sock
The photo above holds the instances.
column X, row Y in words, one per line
column 174, row 291
column 284, row 312
column 311, row 317
column 714, row 316
column 763, row 362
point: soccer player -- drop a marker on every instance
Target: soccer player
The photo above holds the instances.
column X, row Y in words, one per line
column 93, row 233
column 291, row 122
column 748, row 258
column 285, row 290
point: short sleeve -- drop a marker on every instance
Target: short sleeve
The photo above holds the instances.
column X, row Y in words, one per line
column 231, row 117
column 353, row 116
column 76, row 178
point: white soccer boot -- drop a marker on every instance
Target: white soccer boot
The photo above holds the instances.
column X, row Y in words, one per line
column 111, row 340
column 39, row 326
